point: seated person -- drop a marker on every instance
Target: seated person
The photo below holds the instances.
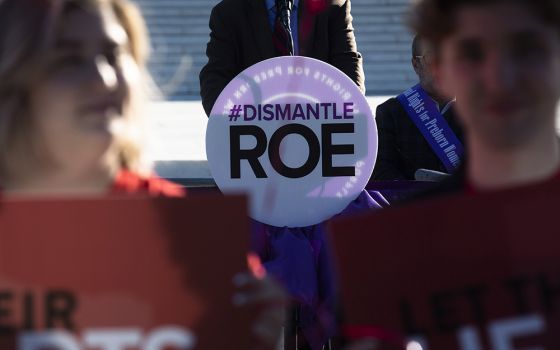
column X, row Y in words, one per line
column 403, row 148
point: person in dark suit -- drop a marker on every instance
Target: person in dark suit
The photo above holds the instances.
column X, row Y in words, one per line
column 242, row 35
column 402, row 147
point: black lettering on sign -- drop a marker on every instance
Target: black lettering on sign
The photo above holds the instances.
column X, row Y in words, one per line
column 18, row 310
column 28, row 312
column 327, row 130
column 328, row 150
column 550, row 293
column 518, row 289
column 274, row 151
column 475, row 296
column 6, row 298
column 444, row 312
column 251, row 155
column 59, row 307
column 410, row 325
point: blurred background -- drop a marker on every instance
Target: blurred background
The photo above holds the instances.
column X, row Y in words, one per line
column 179, row 33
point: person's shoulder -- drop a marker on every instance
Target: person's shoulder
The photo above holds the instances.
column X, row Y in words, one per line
column 227, row 4
column 128, row 182
column 390, row 103
column 335, row 8
column 389, row 107
column 226, row 7
column 161, row 187
column 339, row 3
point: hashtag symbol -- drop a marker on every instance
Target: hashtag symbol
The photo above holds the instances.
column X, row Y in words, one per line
column 235, row 113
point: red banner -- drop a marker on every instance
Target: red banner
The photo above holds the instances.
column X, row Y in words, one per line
column 469, row 272
column 127, row 273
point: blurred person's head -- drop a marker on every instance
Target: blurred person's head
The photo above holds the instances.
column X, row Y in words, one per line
column 422, row 56
column 501, row 59
column 70, row 81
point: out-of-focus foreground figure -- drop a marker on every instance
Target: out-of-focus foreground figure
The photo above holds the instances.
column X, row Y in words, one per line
column 501, row 59
column 71, row 80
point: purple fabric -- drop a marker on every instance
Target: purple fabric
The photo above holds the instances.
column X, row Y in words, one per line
column 300, row 259
column 425, row 114
column 397, row 191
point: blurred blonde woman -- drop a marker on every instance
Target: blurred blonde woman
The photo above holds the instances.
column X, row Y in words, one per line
column 71, row 82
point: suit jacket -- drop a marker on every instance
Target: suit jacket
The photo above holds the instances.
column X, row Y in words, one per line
column 241, row 36
column 402, row 148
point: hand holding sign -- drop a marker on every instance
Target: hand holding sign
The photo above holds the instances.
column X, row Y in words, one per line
column 267, row 295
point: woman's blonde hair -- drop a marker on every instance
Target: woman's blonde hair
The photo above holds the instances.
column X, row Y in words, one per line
column 27, row 29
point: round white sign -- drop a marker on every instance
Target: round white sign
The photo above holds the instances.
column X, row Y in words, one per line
column 297, row 136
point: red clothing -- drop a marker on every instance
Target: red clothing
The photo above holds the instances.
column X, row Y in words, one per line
column 469, row 188
column 127, row 182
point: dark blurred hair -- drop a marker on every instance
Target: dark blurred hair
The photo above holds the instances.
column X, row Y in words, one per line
column 416, row 42
column 436, row 19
